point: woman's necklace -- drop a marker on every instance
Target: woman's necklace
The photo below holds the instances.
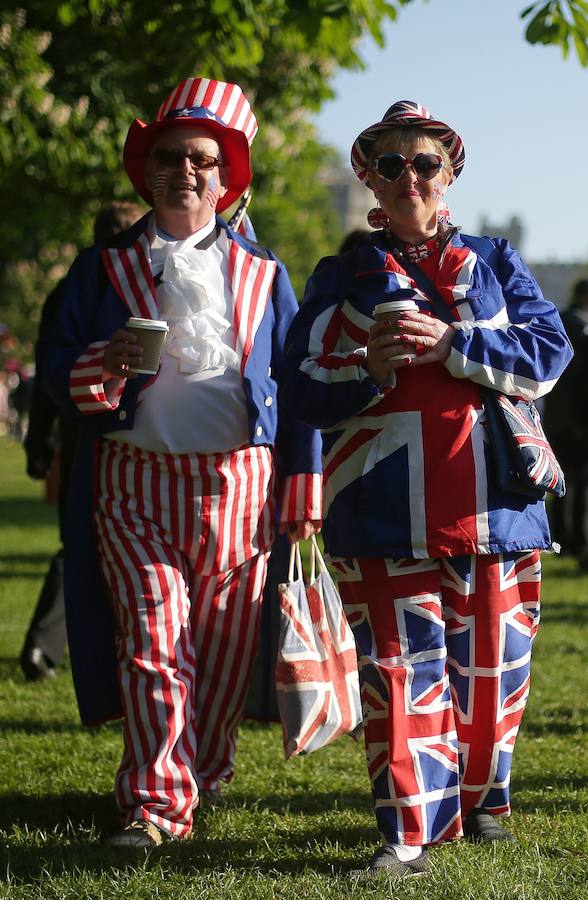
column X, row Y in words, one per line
column 417, row 252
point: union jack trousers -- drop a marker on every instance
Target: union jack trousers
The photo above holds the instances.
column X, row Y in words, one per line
column 445, row 648
column 183, row 543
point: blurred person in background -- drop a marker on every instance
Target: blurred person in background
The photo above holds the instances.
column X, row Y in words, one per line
column 49, row 446
column 353, row 239
column 20, row 379
column 439, row 570
column 6, row 345
column 565, row 418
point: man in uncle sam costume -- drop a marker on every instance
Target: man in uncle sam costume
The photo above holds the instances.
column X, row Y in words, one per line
column 177, row 474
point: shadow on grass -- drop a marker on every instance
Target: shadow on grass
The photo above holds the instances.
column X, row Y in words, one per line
column 24, row 565
column 574, row 786
column 574, row 612
column 31, row 726
column 66, row 850
column 85, row 809
column 310, row 802
column 565, row 722
column 47, row 813
column 27, row 511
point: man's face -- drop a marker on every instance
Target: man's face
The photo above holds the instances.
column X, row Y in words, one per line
column 184, row 172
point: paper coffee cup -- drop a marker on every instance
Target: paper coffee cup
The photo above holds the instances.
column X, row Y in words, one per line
column 150, row 335
column 392, row 311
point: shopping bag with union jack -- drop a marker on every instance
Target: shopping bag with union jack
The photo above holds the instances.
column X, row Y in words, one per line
column 523, row 459
column 317, row 681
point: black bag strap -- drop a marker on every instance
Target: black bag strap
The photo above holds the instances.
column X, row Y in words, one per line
column 425, row 284
column 482, row 246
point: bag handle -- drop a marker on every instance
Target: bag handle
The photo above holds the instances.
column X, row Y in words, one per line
column 295, row 563
column 316, row 557
column 316, row 561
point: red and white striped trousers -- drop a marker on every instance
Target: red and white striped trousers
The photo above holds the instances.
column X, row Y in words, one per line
column 183, row 543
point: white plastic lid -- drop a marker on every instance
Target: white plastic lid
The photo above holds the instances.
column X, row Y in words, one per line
column 153, row 324
column 394, row 306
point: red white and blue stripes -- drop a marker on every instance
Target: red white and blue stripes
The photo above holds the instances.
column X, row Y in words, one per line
column 88, row 388
column 251, row 281
column 129, row 270
column 409, row 114
column 302, row 498
column 226, row 101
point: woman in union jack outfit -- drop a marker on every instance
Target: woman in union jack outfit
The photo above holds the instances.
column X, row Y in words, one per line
column 438, row 569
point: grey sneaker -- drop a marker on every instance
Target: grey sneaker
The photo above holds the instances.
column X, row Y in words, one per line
column 482, row 828
column 35, row 665
column 140, row 835
column 385, row 862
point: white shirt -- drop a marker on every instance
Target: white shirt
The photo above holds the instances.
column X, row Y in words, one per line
column 196, row 403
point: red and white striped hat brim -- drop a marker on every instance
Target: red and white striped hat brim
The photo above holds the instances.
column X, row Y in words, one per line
column 413, row 115
column 222, row 109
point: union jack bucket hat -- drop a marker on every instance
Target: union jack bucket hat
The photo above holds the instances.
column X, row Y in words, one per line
column 219, row 107
column 412, row 115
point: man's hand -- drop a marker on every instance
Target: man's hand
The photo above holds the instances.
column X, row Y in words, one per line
column 122, row 351
column 38, row 466
column 300, row 531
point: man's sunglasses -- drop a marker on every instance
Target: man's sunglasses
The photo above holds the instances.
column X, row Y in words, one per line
column 390, row 166
column 172, row 159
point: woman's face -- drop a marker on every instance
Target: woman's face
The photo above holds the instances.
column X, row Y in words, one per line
column 410, row 200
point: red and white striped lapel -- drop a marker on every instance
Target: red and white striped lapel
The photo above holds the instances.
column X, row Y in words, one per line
column 251, row 282
column 129, row 271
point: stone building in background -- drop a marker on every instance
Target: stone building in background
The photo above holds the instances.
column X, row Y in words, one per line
column 513, row 231
column 350, row 199
column 555, row 278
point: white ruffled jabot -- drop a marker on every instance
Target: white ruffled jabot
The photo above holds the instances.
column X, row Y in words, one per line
column 191, row 305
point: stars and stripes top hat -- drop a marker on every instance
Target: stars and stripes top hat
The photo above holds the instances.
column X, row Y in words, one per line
column 412, row 115
column 220, row 107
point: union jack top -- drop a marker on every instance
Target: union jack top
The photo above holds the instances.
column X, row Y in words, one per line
column 406, row 467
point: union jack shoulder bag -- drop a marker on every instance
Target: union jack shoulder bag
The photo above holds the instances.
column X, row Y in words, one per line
column 523, row 459
column 317, row 682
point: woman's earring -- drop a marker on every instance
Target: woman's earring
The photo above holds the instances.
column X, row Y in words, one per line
column 377, row 218
column 443, row 214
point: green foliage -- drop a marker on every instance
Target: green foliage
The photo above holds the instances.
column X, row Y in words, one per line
column 561, row 22
column 291, row 207
column 75, row 73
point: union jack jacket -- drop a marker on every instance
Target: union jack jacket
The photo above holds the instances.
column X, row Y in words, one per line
column 406, row 466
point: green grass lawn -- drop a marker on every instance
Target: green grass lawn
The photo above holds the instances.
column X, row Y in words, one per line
column 291, row 829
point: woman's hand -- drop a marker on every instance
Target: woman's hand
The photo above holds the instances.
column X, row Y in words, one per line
column 121, row 352
column 385, row 344
column 426, row 335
